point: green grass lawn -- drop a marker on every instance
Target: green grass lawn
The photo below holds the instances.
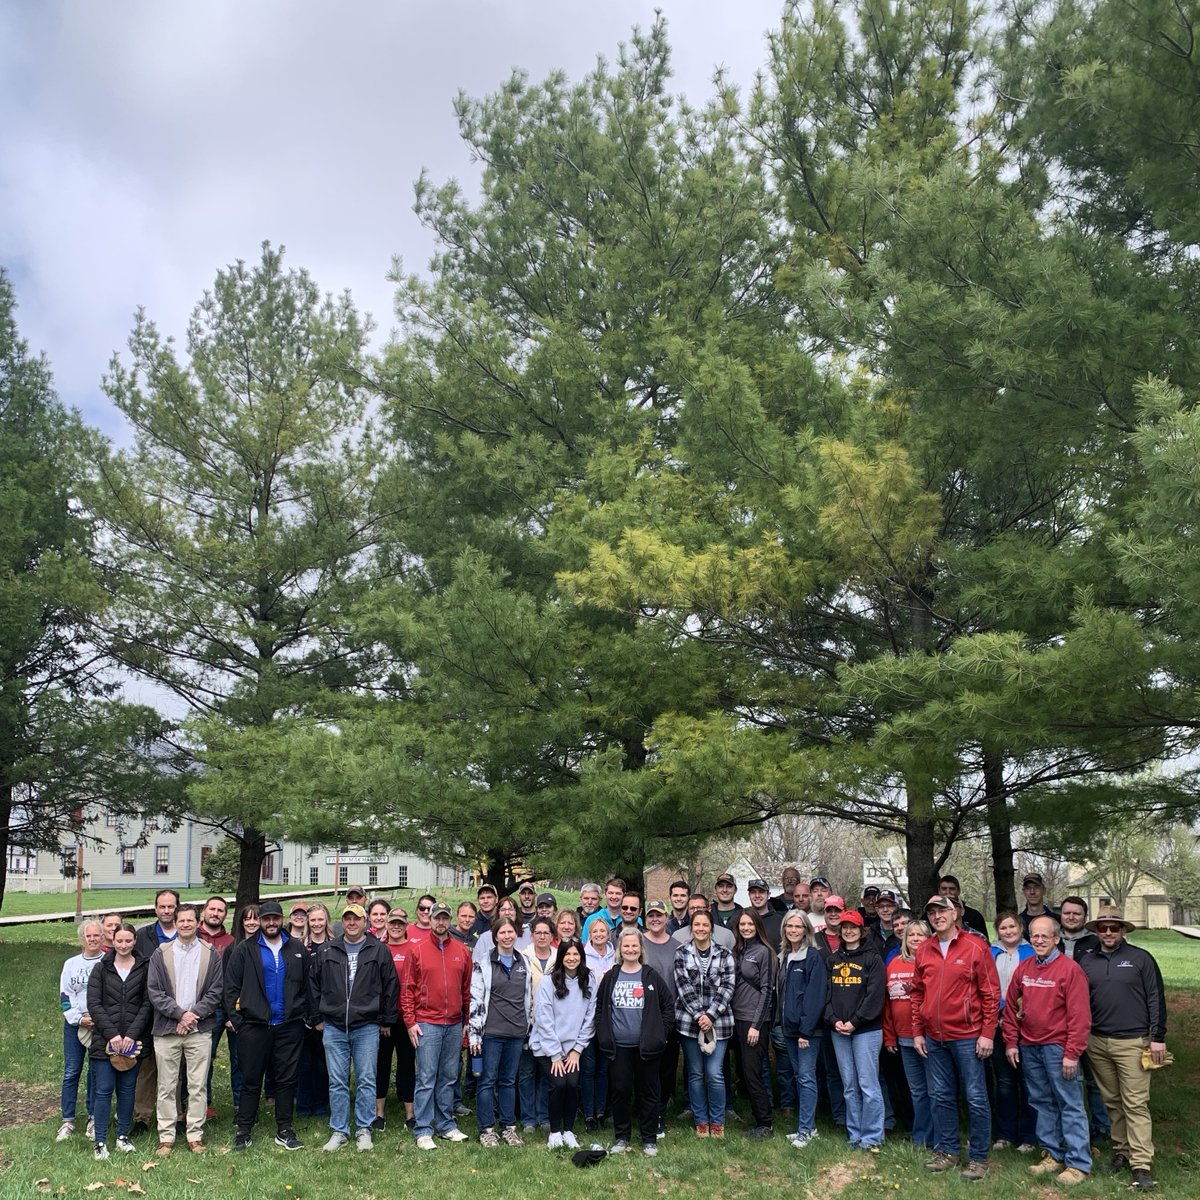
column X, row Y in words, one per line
column 27, row 904
column 30, row 1058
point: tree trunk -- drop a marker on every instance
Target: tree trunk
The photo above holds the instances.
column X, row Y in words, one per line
column 6, row 805
column 252, row 849
column 1000, row 830
column 496, row 869
column 631, row 866
column 918, row 841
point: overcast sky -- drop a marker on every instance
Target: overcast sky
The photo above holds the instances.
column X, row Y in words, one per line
column 147, row 143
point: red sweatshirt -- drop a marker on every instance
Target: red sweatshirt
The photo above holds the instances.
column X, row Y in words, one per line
column 955, row 996
column 897, row 1008
column 435, row 987
column 1052, row 1000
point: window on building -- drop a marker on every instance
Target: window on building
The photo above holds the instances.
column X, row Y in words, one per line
column 267, row 870
column 111, row 821
column 372, row 847
column 205, row 851
column 286, row 874
column 312, row 876
column 162, row 860
column 372, row 877
column 343, row 876
column 402, row 877
column 313, row 850
column 129, row 862
column 344, row 848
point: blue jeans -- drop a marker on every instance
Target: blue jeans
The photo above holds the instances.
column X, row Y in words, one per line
column 1014, row 1118
column 438, row 1054
column 858, row 1065
column 804, row 1071
column 593, row 1082
column 74, row 1056
column 534, row 1092
column 360, row 1046
column 952, row 1063
column 497, row 1081
column 916, row 1071
column 705, row 1080
column 783, row 1069
column 1062, row 1124
column 109, row 1080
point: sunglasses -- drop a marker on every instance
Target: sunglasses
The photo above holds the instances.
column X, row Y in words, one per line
column 424, row 908
column 629, row 908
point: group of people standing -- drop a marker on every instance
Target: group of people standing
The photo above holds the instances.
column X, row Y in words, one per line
column 887, row 1013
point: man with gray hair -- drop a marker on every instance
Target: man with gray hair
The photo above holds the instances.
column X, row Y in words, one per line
column 589, row 902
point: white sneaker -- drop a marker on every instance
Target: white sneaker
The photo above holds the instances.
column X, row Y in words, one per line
column 569, row 1141
column 101, row 1152
column 91, row 1129
column 125, row 1145
column 453, row 1135
column 425, row 1142
column 554, row 1141
column 336, row 1142
column 65, row 1130
column 364, row 1141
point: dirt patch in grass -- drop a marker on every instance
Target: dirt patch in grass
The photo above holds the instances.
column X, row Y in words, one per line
column 25, row 1103
column 831, row 1181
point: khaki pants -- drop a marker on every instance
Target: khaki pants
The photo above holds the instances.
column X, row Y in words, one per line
column 1125, row 1088
column 194, row 1049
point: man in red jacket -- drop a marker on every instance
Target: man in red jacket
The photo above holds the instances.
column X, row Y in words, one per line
column 1046, row 1020
column 435, row 999
column 955, row 1005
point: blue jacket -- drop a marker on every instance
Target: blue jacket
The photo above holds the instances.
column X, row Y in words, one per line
column 804, row 985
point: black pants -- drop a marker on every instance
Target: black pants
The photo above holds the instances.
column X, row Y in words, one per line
column 750, row 1065
column 562, row 1096
column 628, row 1072
column 396, row 1041
column 269, row 1046
column 668, row 1073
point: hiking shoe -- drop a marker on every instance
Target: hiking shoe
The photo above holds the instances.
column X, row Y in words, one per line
column 1048, row 1166
column 488, row 1139
column 760, row 1131
column 164, row 1148
column 620, row 1146
column 1026, row 1148
column 101, row 1152
column 941, row 1162
column 336, row 1142
column 1001, row 1144
column 1071, row 1176
column 1142, row 1180
column 702, row 1131
column 974, row 1172
column 426, row 1142
column 1119, row 1162
column 569, row 1140
column 242, row 1141
column 511, row 1137
column 454, row 1135
column 288, row 1140
column 650, row 1149
column 364, row 1140
column 717, row 1131
column 197, row 1147
column 125, row 1145
column 65, row 1130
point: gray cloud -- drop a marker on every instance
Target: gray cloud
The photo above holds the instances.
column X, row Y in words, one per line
column 149, row 143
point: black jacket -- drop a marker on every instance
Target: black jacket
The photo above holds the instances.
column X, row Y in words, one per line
column 375, row 996
column 1126, row 987
column 658, row 1016
column 856, row 988
column 246, row 989
column 145, row 941
column 118, row 1007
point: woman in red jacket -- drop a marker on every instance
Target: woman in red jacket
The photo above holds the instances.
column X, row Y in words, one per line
column 898, row 1034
